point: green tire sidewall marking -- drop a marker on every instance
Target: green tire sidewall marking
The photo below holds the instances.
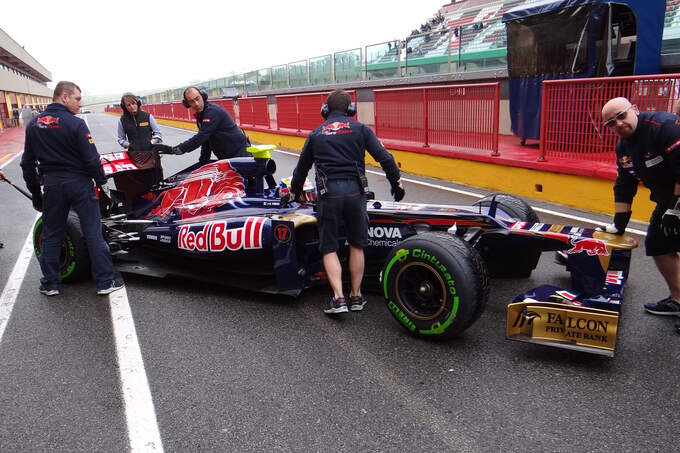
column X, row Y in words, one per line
column 36, row 250
column 399, row 255
column 71, row 250
column 72, row 253
column 440, row 328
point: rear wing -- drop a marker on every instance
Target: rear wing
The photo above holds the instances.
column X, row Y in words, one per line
column 120, row 162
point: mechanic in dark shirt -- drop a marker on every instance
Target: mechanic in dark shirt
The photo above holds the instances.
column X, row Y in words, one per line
column 337, row 149
column 217, row 131
column 60, row 150
column 649, row 151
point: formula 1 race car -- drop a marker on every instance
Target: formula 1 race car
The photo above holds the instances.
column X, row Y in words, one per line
column 218, row 222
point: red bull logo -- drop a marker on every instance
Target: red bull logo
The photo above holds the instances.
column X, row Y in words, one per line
column 589, row 245
column 47, row 122
column 336, row 127
column 626, row 162
column 216, row 237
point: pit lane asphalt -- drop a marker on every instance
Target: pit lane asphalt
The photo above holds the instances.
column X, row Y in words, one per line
column 231, row 370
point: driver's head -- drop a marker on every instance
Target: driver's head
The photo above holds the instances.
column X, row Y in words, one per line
column 620, row 116
column 338, row 100
column 194, row 99
column 129, row 102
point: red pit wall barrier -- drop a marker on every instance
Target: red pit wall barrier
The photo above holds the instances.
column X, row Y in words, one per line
column 302, row 112
column 226, row 104
column 253, row 111
column 571, row 119
column 448, row 117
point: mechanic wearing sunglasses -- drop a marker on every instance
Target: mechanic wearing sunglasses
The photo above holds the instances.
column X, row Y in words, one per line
column 649, row 151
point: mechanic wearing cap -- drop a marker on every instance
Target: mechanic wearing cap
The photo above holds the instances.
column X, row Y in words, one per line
column 337, row 149
column 59, row 150
column 649, row 151
column 138, row 132
column 217, row 131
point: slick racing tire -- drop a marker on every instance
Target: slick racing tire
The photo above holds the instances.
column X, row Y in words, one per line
column 74, row 261
column 510, row 262
column 435, row 284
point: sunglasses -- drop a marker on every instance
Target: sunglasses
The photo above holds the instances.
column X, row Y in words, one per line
column 611, row 122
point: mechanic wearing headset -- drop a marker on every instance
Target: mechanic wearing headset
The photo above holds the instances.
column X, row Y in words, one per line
column 59, row 153
column 217, row 131
column 138, row 132
column 337, row 149
column 649, row 151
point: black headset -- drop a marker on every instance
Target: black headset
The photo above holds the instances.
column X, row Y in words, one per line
column 201, row 91
column 122, row 104
column 351, row 110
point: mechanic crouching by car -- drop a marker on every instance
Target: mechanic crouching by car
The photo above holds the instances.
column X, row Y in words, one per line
column 217, row 131
column 649, row 151
column 337, row 149
column 60, row 154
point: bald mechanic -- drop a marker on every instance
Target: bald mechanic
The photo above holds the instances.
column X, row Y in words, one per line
column 217, row 131
column 649, row 151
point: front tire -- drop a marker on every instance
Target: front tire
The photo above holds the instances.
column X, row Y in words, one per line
column 504, row 261
column 74, row 261
column 435, row 285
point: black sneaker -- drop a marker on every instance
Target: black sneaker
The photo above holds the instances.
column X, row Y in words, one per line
column 48, row 292
column 664, row 307
column 335, row 306
column 115, row 285
column 356, row 303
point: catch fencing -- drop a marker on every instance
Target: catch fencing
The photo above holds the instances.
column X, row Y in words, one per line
column 448, row 117
column 571, row 120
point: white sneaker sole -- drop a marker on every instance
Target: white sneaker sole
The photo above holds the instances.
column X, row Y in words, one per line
column 334, row 311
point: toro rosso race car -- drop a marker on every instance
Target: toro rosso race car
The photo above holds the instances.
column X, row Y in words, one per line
column 218, row 222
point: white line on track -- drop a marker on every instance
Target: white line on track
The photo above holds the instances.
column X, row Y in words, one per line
column 140, row 415
column 16, row 278
column 10, row 160
column 476, row 195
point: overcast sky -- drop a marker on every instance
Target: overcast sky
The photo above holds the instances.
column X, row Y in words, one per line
column 108, row 47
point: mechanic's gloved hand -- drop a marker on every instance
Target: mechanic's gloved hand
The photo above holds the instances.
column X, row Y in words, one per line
column 619, row 225
column 37, row 200
column 397, row 191
column 103, row 188
column 286, row 199
column 670, row 222
column 166, row 149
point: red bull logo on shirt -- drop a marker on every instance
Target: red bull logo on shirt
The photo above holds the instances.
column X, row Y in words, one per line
column 589, row 245
column 47, row 122
column 336, row 127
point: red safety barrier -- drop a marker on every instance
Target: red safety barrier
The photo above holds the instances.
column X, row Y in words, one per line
column 571, row 119
column 226, row 104
column 301, row 112
column 447, row 117
column 254, row 111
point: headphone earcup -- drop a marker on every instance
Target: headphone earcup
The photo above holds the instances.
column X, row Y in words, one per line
column 185, row 103
column 204, row 95
column 139, row 102
column 324, row 111
column 352, row 109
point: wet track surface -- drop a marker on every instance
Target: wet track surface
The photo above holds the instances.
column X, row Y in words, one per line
column 232, row 370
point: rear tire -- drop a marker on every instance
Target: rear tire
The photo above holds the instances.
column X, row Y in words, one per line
column 435, row 285
column 510, row 262
column 74, row 261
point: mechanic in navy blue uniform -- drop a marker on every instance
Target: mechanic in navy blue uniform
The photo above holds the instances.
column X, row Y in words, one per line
column 337, row 149
column 217, row 131
column 60, row 154
column 649, row 151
